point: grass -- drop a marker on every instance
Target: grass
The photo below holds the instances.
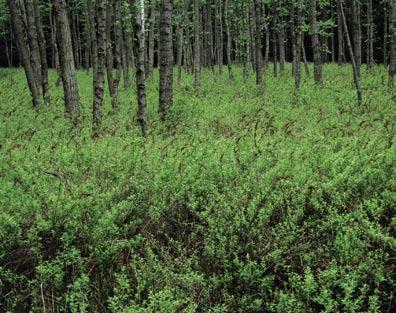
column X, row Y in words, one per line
column 237, row 203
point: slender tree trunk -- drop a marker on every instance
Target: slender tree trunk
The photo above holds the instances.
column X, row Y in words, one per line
column 125, row 58
column 356, row 33
column 43, row 52
column 117, row 52
column 166, row 59
column 304, row 55
column 99, row 64
column 370, row 36
column 281, row 39
column 151, row 38
column 275, row 45
column 340, row 37
column 293, row 36
column 180, row 35
column 392, row 29
column 140, row 50
column 297, row 70
column 385, row 49
column 258, row 40
column 109, row 47
column 351, row 52
column 7, row 51
column 267, row 46
column 229, row 40
column 252, row 30
column 315, row 43
column 70, row 87
column 33, row 40
column 23, row 50
column 197, row 45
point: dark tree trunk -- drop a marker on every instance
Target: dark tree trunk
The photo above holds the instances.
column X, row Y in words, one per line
column 356, row 76
column 166, row 59
column 357, row 34
column 140, row 50
column 392, row 30
column 297, row 70
column 33, row 40
column 281, row 39
column 151, row 38
column 315, row 43
column 23, row 50
column 70, row 88
column 370, row 36
column 229, row 40
column 340, row 36
column 43, row 52
column 258, row 40
column 385, row 49
column 99, row 64
column 197, row 45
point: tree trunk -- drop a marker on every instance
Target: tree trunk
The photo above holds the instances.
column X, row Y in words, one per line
column 43, row 52
column 370, row 36
column 23, row 50
column 229, row 42
column 99, row 64
column 297, row 69
column 351, row 52
column 259, row 53
column 180, row 35
column 304, row 55
column 341, row 57
column 275, row 45
column 70, row 87
column 281, row 39
column 197, row 46
column 117, row 52
column 315, row 43
column 33, row 40
column 151, row 38
column 357, row 34
column 166, row 59
column 385, row 49
column 140, row 50
column 392, row 30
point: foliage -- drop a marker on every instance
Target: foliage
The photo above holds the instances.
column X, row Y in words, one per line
column 236, row 204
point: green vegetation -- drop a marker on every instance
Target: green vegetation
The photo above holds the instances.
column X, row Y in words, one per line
column 237, row 203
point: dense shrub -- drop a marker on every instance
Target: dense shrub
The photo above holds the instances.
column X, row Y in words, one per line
column 236, row 204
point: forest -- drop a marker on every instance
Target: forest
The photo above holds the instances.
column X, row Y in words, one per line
column 221, row 156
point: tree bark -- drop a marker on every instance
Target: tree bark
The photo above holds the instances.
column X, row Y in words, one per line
column 166, row 59
column 370, row 36
column 33, row 40
column 43, row 52
column 229, row 40
column 258, row 40
column 297, row 69
column 315, row 43
column 356, row 34
column 140, row 50
column 356, row 76
column 66, row 60
column 23, row 50
column 99, row 64
column 341, row 57
column 151, row 38
column 197, row 45
column 392, row 30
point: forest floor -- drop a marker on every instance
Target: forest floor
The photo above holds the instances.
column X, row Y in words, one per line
column 237, row 203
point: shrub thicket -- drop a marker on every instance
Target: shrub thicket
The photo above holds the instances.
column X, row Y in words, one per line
column 237, row 203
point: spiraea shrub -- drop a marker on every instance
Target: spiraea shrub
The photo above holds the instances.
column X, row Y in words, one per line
column 237, row 203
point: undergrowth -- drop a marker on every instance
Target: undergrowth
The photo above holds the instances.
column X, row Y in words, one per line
column 237, row 203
